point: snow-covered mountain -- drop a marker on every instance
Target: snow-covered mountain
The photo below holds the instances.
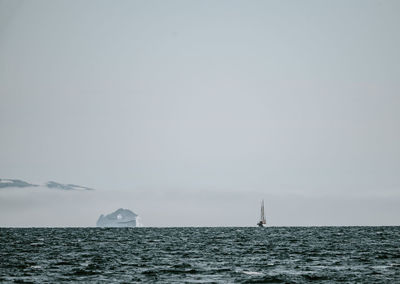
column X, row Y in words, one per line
column 14, row 183
column 6, row 183
column 53, row 184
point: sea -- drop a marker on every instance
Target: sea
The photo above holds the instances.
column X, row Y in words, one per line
column 201, row 255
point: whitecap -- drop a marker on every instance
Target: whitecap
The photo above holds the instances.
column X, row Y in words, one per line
column 252, row 273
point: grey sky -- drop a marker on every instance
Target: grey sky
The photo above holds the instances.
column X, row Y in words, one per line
column 233, row 101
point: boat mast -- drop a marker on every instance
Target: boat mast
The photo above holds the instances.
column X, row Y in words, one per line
column 262, row 213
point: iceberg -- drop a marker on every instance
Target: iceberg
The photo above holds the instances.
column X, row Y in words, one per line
column 120, row 218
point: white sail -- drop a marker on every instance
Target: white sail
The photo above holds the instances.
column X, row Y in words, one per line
column 262, row 219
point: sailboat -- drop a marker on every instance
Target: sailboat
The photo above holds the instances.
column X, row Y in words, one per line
column 262, row 221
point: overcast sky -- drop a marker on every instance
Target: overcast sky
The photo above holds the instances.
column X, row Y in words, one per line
column 191, row 112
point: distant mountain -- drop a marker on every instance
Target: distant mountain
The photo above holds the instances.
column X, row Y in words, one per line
column 53, row 184
column 14, row 183
column 4, row 183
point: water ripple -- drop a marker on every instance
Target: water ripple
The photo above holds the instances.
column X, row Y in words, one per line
column 201, row 255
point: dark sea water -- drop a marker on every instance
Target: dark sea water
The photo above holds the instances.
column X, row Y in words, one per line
column 213, row 255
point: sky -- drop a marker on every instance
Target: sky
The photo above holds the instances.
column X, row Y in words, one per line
column 191, row 112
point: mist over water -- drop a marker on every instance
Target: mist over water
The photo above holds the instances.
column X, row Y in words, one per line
column 43, row 207
column 244, row 255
